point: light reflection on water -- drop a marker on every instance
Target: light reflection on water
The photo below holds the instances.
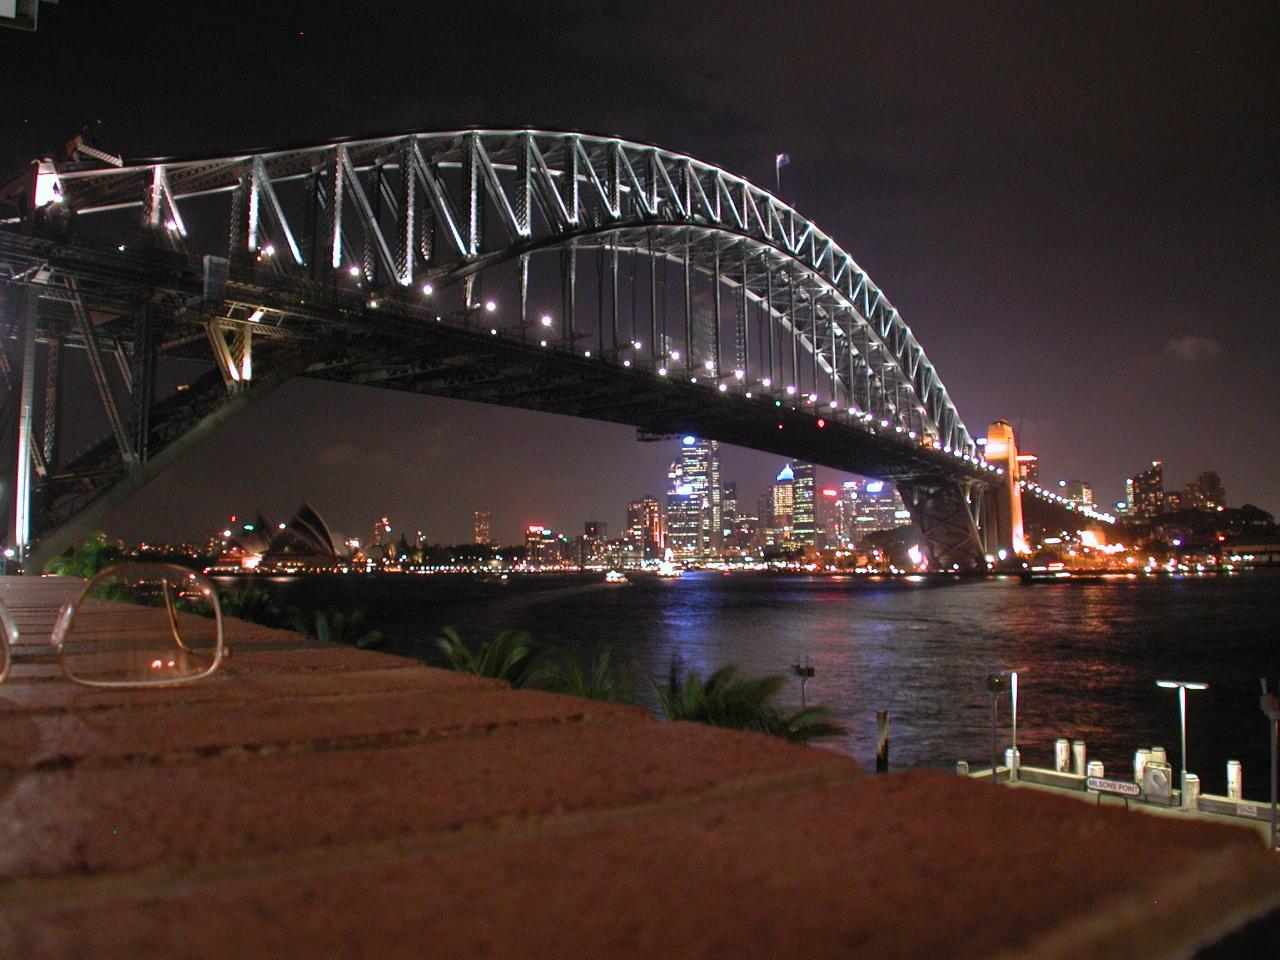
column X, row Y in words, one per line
column 1088, row 653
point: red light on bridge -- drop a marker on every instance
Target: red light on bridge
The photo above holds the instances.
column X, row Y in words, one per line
column 821, row 423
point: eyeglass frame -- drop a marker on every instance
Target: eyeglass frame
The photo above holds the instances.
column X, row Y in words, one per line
column 66, row 615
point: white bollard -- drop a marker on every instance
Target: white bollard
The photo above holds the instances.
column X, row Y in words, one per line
column 962, row 767
column 1062, row 755
column 1235, row 780
column 1077, row 757
column 1140, row 760
column 1191, row 792
column 1095, row 769
column 1159, row 755
column 1012, row 760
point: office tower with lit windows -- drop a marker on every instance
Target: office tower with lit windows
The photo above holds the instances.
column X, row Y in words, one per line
column 645, row 528
column 1147, row 500
column 804, row 525
column 684, row 522
column 595, row 541
column 728, row 507
column 1079, row 492
column 695, row 486
column 480, row 528
column 872, row 505
column 382, row 530
column 1029, row 469
column 544, row 547
column 781, row 508
column 831, row 519
column 1205, row 492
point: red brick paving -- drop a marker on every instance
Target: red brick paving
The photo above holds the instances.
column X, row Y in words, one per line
column 320, row 801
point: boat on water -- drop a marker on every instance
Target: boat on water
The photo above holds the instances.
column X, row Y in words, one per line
column 668, row 569
column 616, row 576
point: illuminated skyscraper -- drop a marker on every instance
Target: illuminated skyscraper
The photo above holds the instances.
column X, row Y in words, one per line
column 872, row 506
column 1029, row 468
column 481, row 533
column 595, row 539
column 781, row 508
column 1148, row 492
column 1205, row 492
column 684, row 522
column 804, row 525
column 644, row 527
column 1079, row 492
column 729, row 508
column 694, row 499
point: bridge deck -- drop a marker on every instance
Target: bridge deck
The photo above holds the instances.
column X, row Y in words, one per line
column 315, row 800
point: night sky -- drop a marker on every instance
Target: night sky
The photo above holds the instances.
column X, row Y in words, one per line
column 1074, row 206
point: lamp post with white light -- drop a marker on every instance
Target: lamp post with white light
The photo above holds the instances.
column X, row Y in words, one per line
column 1182, row 686
column 1013, row 700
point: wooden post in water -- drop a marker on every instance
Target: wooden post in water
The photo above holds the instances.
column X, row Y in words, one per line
column 882, row 741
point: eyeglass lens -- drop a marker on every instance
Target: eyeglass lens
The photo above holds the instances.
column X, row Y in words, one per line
column 139, row 624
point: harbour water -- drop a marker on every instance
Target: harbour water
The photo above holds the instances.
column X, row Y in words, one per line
column 1088, row 654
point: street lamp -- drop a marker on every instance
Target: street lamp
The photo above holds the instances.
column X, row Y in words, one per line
column 805, row 672
column 1182, row 686
column 1013, row 699
column 995, row 683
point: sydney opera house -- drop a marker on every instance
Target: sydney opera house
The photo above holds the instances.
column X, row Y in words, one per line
column 303, row 544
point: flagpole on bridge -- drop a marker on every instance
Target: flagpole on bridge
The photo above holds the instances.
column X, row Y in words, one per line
column 779, row 161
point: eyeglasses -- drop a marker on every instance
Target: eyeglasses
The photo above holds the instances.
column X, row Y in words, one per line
column 134, row 625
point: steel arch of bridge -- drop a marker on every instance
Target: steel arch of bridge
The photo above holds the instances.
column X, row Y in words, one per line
column 317, row 238
column 421, row 207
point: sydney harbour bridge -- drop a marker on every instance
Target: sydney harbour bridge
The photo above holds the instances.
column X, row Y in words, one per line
column 574, row 274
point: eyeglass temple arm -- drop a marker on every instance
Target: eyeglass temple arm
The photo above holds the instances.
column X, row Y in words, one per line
column 171, row 609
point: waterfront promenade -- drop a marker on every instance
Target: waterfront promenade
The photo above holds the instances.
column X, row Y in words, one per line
column 316, row 800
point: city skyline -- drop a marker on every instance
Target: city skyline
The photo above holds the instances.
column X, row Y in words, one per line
column 1084, row 252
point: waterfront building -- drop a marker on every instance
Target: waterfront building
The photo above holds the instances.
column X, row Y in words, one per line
column 645, row 527
column 695, row 483
column 1079, row 492
column 871, row 506
column 1029, row 469
column 781, row 508
column 1147, row 498
column 831, row 519
column 728, row 508
column 743, row 536
column 594, row 543
column 543, row 547
column 304, row 543
column 684, row 522
column 1205, row 492
column 1124, row 508
column 804, row 509
column 481, row 534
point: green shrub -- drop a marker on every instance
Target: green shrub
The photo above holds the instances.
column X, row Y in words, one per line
column 597, row 680
column 252, row 603
column 86, row 558
column 336, row 626
column 512, row 656
column 727, row 700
